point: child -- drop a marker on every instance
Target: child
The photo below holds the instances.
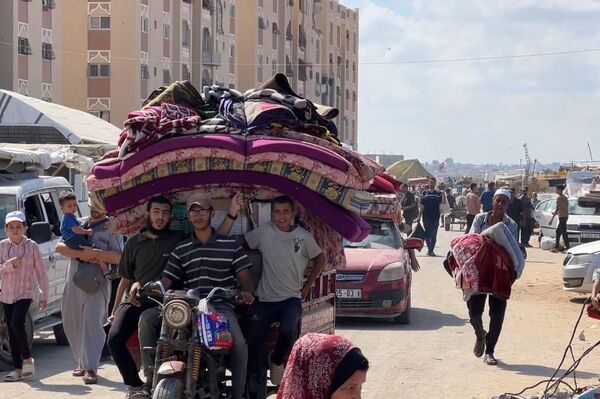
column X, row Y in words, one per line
column 73, row 235
column 20, row 260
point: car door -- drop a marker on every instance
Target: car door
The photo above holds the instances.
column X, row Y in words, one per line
column 548, row 229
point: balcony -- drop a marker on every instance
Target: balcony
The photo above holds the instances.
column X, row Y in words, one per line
column 211, row 58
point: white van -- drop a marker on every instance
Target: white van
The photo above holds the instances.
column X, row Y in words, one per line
column 38, row 199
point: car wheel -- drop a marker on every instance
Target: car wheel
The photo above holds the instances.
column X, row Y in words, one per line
column 59, row 335
column 6, row 363
column 404, row 318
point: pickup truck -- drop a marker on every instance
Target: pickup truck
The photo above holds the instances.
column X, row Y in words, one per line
column 38, row 199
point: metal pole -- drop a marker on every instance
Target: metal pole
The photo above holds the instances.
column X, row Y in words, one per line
column 590, row 150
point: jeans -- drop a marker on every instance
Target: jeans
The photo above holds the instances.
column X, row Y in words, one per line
column 497, row 310
column 431, row 228
column 125, row 323
column 470, row 219
column 148, row 333
column 14, row 317
column 561, row 229
column 260, row 317
column 238, row 353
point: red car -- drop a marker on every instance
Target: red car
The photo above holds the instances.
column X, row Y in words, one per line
column 377, row 278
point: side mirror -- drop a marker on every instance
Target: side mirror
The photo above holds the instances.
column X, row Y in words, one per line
column 40, row 232
column 413, row 243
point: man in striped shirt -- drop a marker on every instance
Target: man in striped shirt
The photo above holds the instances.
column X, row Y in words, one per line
column 208, row 260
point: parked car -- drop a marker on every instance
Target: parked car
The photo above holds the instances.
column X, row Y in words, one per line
column 579, row 266
column 376, row 281
column 38, row 199
column 583, row 224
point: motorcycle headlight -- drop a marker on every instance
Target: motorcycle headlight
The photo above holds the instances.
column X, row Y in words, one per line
column 177, row 314
column 393, row 271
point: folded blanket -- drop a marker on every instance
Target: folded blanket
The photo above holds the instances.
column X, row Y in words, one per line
column 502, row 236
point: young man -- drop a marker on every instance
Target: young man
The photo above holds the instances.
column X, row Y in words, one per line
column 515, row 211
column 430, row 214
column 562, row 210
column 410, row 208
column 487, row 196
column 84, row 313
column 487, row 341
column 528, row 220
column 286, row 250
column 473, row 205
column 202, row 262
column 143, row 260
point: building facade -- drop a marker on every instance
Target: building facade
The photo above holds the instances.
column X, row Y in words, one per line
column 106, row 57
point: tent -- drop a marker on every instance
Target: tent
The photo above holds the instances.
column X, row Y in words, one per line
column 30, row 120
column 408, row 169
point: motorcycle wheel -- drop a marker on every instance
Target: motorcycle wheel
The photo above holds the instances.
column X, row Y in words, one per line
column 168, row 388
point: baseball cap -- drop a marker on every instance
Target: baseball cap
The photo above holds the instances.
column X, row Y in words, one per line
column 503, row 191
column 15, row 216
column 199, row 199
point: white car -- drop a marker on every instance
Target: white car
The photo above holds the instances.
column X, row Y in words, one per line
column 583, row 224
column 579, row 266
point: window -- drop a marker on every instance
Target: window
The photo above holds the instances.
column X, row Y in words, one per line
column 206, row 4
column 261, row 23
column 33, row 210
column 144, row 23
column 144, row 73
column 47, row 51
column 166, row 77
column 185, row 35
column 231, row 51
column 331, row 33
column 50, row 202
column 99, row 23
column 24, row 47
column 339, row 37
column 232, row 11
column 98, row 70
column 105, row 115
column 48, row 4
column 354, row 101
column 166, row 31
column 275, row 28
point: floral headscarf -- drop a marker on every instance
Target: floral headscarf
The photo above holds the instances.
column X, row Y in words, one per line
column 312, row 365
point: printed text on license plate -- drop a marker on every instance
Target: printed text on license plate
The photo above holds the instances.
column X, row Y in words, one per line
column 348, row 293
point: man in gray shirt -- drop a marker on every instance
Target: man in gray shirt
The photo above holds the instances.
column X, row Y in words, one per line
column 286, row 251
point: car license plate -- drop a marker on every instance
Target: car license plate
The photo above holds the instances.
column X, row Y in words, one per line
column 348, row 293
column 590, row 235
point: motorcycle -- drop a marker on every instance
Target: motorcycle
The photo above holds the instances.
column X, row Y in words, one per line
column 186, row 364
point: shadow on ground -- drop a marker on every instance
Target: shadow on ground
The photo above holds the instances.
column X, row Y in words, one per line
column 421, row 320
column 539, row 371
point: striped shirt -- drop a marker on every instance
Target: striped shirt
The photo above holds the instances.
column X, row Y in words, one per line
column 204, row 266
column 19, row 283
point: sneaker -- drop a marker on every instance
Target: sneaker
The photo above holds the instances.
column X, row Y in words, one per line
column 479, row 347
column 275, row 372
column 490, row 360
column 142, row 392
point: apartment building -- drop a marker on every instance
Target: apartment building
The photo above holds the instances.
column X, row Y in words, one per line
column 113, row 53
column 29, row 57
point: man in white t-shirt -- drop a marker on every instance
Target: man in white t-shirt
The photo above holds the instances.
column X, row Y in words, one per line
column 286, row 250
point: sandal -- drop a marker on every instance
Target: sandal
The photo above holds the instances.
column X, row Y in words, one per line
column 78, row 372
column 90, row 377
column 28, row 370
column 13, row 376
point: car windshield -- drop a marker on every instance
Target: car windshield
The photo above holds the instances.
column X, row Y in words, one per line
column 8, row 203
column 382, row 236
column 575, row 209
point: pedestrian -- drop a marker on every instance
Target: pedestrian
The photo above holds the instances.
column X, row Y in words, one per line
column 562, row 210
column 201, row 263
column 431, row 201
column 84, row 313
column 487, row 196
column 527, row 217
column 497, row 306
column 286, row 251
column 143, row 260
column 409, row 206
column 473, row 205
column 323, row 366
column 21, row 269
column 515, row 211
column 461, row 199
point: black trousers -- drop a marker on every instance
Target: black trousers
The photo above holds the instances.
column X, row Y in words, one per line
column 14, row 317
column 470, row 219
column 527, row 230
column 125, row 323
column 561, row 229
column 497, row 309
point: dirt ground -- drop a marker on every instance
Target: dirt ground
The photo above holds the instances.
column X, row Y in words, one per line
column 430, row 358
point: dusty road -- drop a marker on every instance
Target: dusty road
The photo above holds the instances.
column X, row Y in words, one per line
column 430, row 358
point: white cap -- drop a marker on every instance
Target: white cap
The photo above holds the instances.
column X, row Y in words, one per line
column 503, row 191
column 15, row 216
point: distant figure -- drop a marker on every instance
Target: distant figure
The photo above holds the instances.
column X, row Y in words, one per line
column 461, row 199
column 430, row 214
column 515, row 210
column 527, row 217
column 473, row 205
column 562, row 210
column 410, row 208
column 487, row 196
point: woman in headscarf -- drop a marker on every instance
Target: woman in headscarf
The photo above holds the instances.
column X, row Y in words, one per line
column 324, row 367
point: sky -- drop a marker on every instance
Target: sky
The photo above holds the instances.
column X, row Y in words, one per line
column 479, row 111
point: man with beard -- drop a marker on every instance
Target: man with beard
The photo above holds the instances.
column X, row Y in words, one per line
column 201, row 263
column 144, row 258
column 430, row 214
